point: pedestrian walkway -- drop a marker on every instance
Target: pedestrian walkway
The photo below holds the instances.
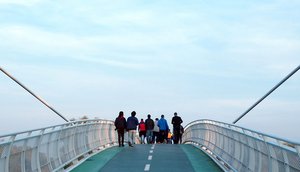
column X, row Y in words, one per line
column 156, row 158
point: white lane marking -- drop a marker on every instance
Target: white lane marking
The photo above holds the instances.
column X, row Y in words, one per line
column 151, row 151
column 152, row 147
column 150, row 157
column 147, row 167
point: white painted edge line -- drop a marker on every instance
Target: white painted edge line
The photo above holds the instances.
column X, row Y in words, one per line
column 150, row 157
column 151, row 151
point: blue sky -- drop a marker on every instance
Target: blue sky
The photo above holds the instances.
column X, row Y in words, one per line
column 203, row 59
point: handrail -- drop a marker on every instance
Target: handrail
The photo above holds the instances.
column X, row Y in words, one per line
column 236, row 148
column 55, row 148
column 246, row 129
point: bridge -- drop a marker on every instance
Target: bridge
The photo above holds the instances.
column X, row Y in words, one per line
column 91, row 145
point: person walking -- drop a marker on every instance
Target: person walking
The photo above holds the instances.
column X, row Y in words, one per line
column 142, row 131
column 120, row 124
column 149, row 129
column 132, row 123
column 163, row 129
column 176, row 121
column 155, row 137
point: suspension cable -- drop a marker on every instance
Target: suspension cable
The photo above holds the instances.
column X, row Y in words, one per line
column 37, row 97
column 268, row 93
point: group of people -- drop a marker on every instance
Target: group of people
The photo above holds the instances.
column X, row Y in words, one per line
column 150, row 131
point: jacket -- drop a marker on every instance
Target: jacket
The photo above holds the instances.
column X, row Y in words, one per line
column 132, row 123
column 163, row 125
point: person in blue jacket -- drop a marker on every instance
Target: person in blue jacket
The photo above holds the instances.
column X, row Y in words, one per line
column 163, row 129
column 132, row 123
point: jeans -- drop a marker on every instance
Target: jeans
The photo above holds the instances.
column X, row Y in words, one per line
column 149, row 136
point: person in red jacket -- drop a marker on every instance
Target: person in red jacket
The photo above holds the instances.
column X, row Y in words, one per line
column 142, row 131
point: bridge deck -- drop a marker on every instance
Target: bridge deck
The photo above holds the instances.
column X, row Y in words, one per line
column 158, row 158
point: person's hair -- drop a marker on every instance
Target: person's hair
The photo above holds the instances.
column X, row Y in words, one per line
column 175, row 113
column 162, row 116
column 149, row 116
column 156, row 119
column 121, row 113
column 133, row 113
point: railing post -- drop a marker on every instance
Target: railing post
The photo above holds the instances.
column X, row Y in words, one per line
column 57, row 143
column 269, row 154
column 38, row 150
column 12, row 138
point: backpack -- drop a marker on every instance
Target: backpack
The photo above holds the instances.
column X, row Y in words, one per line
column 142, row 127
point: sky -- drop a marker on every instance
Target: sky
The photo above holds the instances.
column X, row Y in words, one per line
column 204, row 59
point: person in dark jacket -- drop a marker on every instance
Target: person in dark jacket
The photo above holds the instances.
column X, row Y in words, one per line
column 120, row 124
column 176, row 121
column 149, row 127
column 132, row 123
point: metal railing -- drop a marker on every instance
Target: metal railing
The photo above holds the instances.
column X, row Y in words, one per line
column 55, row 148
column 238, row 149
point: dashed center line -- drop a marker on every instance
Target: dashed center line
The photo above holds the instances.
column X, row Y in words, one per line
column 147, row 167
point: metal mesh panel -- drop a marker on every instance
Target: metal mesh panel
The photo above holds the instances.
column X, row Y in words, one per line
column 277, row 166
column 79, row 141
column 245, row 154
column 276, row 153
column 257, row 161
column 53, row 154
column 15, row 156
column 251, row 159
column 251, row 142
column 261, row 146
column 4, row 150
column 293, row 159
column 45, row 168
column 43, row 155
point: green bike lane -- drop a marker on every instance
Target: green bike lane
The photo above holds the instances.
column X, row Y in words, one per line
column 156, row 158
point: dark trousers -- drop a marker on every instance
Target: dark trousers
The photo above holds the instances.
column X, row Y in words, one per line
column 176, row 135
column 163, row 134
column 121, row 137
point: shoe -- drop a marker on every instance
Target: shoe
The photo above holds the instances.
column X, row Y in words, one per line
column 122, row 145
